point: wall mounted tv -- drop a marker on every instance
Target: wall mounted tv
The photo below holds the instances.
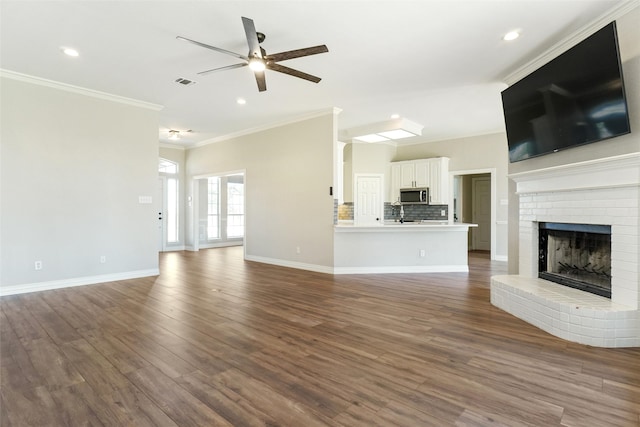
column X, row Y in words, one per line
column 575, row 99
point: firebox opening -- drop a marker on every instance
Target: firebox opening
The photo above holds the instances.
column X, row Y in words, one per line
column 576, row 255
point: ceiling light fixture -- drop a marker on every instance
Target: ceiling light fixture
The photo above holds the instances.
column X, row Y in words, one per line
column 70, row 52
column 174, row 135
column 385, row 131
column 241, row 101
column 257, row 64
column 511, row 35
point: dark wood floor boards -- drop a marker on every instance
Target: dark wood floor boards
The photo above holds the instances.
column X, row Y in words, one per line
column 216, row 340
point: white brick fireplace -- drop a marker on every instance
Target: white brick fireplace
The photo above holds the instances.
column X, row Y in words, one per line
column 605, row 192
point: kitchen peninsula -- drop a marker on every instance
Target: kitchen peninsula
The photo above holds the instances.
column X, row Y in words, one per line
column 394, row 247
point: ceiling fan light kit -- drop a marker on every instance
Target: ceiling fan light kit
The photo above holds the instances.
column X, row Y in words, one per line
column 258, row 60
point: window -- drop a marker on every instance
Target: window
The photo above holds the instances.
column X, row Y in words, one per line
column 221, row 214
column 213, row 208
column 172, row 210
column 235, row 207
column 167, row 166
column 168, row 171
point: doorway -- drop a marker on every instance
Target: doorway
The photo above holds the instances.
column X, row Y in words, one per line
column 481, row 212
column 474, row 201
column 220, row 210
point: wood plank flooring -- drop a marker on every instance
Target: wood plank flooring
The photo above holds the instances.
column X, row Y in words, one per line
column 219, row 341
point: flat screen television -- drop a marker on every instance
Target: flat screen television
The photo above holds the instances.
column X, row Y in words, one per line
column 575, row 99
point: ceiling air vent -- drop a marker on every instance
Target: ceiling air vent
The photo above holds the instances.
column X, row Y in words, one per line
column 185, row 82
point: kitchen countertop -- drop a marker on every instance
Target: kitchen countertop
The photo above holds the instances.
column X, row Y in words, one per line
column 388, row 226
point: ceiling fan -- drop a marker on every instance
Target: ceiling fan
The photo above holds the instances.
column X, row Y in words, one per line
column 258, row 60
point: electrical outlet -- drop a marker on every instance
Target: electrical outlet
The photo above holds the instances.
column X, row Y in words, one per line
column 37, row 265
column 443, row 212
column 103, row 259
column 422, row 252
column 297, row 249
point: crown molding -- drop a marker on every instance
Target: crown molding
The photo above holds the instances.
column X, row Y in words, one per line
column 249, row 131
column 619, row 10
column 79, row 90
column 172, row 146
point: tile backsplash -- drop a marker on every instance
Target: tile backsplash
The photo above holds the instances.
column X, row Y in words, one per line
column 411, row 212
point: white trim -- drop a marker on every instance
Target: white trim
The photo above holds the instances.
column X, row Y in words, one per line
column 494, row 199
column 172, row 146
column 262, row 128
column 77, row 281
column 617, row 11
column 403, row 269
column 608, row 172
column 360, row 270
column 175, row 248
column 504, row 258
column 291, row 264
column 221, row 244
column 79, row 90
column 195, row 214
column 422, row 140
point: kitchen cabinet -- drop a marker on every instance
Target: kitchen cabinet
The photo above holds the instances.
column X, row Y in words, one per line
column 432, row 173
column 439, row 181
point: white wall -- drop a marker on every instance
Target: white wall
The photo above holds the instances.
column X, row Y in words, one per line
column 468, row 154
column 288, row 172
column 367, row 158
column 72, row 169
column 628, row 36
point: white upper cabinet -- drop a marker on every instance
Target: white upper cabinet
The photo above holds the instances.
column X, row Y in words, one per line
column 432, row 173
column 439, row 181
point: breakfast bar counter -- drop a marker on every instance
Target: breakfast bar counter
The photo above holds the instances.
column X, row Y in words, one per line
column 394, row 247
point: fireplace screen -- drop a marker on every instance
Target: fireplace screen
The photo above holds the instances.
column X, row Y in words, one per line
column 576, row 255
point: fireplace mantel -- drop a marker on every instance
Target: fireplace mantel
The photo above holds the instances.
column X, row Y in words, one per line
column 602, row 191
column 582, row 175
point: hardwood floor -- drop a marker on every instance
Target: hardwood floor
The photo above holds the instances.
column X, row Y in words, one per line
column 216, row 340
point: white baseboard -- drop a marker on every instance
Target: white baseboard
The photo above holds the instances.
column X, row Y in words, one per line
column 403, row 269
column 76, row 281
column 291, row 264
column 504, row 258
column 362, row 270
column 221, row 245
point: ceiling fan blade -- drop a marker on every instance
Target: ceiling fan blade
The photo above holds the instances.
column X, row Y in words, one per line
column 260, row 79
column 228, row 67
column 283, row 56
column 286, row 70
column 252, row 38
column 217, row 49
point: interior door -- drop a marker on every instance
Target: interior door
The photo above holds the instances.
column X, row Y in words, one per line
column 368, row 200
column 481, row 213
column 160, row 210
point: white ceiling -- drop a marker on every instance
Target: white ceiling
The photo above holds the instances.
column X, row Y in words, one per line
column 438, row 63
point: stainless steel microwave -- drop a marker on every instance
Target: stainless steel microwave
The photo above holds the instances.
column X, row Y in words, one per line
column 414, row 195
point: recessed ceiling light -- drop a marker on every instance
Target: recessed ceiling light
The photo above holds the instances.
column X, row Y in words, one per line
column 396, row 134
column 511, row 35
column 395, row 116
column 241, row 101
column 371, row 138
column 70, row 52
